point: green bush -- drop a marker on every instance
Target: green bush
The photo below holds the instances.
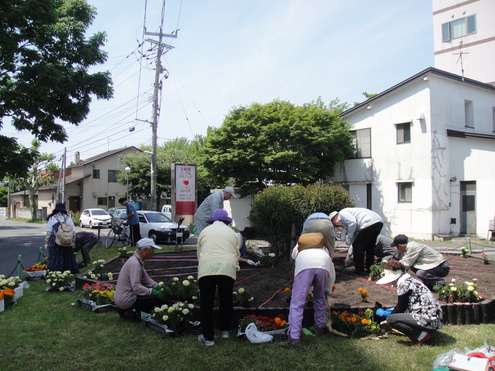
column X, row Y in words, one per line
column 279, row 212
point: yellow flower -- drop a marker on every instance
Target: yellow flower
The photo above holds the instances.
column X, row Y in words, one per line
column 470, row 288
column 454, row 288
column 185, row 283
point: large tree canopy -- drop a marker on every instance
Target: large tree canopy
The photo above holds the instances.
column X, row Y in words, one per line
column 277, row 143
column 44, row 62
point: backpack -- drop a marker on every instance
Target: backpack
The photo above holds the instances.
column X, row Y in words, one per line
column 64, row 234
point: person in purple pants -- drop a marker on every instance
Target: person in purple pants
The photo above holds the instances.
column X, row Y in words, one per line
column 313, row 268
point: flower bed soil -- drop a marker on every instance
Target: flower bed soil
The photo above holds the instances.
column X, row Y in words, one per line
column 267, row 285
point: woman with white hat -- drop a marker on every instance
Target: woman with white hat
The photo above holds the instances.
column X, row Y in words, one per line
column 417, row 312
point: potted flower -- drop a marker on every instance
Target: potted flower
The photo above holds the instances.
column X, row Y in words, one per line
column 13, row 283
column 484, row 256
column 263, row 323
column 171, row 319
column 357, row 325
column 242, row 298
column 464, row 293
column 60, row 281
column 97, row 297
column 98, row 273
column 8, row 297
column 37, row 271
column 185, row 290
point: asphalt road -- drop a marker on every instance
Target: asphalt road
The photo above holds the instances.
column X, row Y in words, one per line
column 25, row 239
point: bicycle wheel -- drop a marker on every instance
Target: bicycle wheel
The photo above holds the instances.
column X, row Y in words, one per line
column 126, row 236
column 111, row 236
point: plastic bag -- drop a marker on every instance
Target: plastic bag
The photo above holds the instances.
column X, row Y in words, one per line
column 255, row 336
column 443, row 360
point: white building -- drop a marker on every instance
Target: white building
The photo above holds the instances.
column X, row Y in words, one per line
column 464, row 38
column 425, row 150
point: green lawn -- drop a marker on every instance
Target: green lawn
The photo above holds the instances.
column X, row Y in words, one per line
column 45, row 332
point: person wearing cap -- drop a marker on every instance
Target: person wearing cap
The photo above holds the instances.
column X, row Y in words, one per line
column 218, row 257
column 132, row 220
column 136, row 291
column 417, row 312
column 247, row 234
column 60, row 258
column 321, row 222
column 313, row 268
column 210, row 204
column 362, row 228
column 428, row 264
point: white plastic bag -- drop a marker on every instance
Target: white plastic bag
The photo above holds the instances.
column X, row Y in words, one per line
column 255, row 336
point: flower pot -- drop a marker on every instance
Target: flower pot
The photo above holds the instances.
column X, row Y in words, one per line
column 2, row 305
column 34, row 275
column 19, row 292
column 92, row 306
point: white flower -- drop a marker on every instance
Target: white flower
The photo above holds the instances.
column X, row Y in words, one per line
column 194, row 297
column 185, row 283
column 241, row 290
column 234, row 292
column 453, row 280
column 54, row 284
column 49, row 280
column 475, row 280
column 191, row 306
column 165, row 317
column 251, row 299
column 175, row 279
column 171, row 309
column 190, row 277
column 11, row 283
column 61, row 289
column 454, row 288
column 185, row 311
column 470, row 288
column 271, row 255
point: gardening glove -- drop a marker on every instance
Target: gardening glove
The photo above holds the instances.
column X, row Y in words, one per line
column 259, row 253
column 157, row 294
column 348, row 241
column 250, row 262
column 348, row 260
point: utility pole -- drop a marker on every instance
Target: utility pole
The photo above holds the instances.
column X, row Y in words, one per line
column 61, row 179
column 162, row 49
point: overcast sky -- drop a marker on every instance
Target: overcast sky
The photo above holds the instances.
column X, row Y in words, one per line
column 233, row 53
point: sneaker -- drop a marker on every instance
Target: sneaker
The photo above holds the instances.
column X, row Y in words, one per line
column 208, row 343
column 291, row 344
column 225, row 334
column 423, row 340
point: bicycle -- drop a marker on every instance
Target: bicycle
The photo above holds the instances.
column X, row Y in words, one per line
column 119, row 232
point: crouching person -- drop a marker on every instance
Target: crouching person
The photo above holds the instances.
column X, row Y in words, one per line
column 313, row 267
column 136, row 292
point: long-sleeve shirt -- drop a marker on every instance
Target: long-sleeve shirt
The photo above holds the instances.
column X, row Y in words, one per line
column 59, row 217
column 133, row 281
column 205, row 210
column 320, row 222
column 354, row 219
column 217, row 251
column 421, row 256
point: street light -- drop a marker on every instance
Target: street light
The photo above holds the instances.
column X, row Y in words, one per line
column 127, row 170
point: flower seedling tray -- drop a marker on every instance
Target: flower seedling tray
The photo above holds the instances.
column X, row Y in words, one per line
column 156, row 326
column 92, row 306
column 34, row 275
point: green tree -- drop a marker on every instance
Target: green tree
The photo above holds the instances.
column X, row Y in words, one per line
column 44, row 63
column 277, row 143
column 41, row 172
column 278, row 213
column 179, row 150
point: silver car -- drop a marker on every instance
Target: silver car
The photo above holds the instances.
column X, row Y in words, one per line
column 161, row 228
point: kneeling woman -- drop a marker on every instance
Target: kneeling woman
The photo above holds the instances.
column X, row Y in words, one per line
column 417, row 312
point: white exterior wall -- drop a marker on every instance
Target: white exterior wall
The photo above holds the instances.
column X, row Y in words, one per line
column 429, row 161
column 478, row 49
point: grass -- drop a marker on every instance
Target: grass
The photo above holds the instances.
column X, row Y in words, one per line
column 45, row 332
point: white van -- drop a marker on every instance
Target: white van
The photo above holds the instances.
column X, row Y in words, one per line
column 167, row 210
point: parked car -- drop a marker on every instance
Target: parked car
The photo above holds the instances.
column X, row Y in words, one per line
column 94, row 218
column 161, row 228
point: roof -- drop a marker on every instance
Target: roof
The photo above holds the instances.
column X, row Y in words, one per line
column 102, row 156
column 68, row 181
column 420, row 75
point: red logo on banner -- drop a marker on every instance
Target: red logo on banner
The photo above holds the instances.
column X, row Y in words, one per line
column 186, row 182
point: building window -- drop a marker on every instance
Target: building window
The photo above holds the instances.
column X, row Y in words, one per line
column 459, row 28
column 403, row 133
column 362, row 143
column 468, row 113
column 405, row 192
column 96, row 174
column 102, row 201
column 112, row 176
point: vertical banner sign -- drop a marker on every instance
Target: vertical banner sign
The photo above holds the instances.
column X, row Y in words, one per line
column 185, row 189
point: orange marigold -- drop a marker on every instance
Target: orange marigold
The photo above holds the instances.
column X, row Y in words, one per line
column 364, row 321
column 364, row 292
column 287, row 289
column 360, row 289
